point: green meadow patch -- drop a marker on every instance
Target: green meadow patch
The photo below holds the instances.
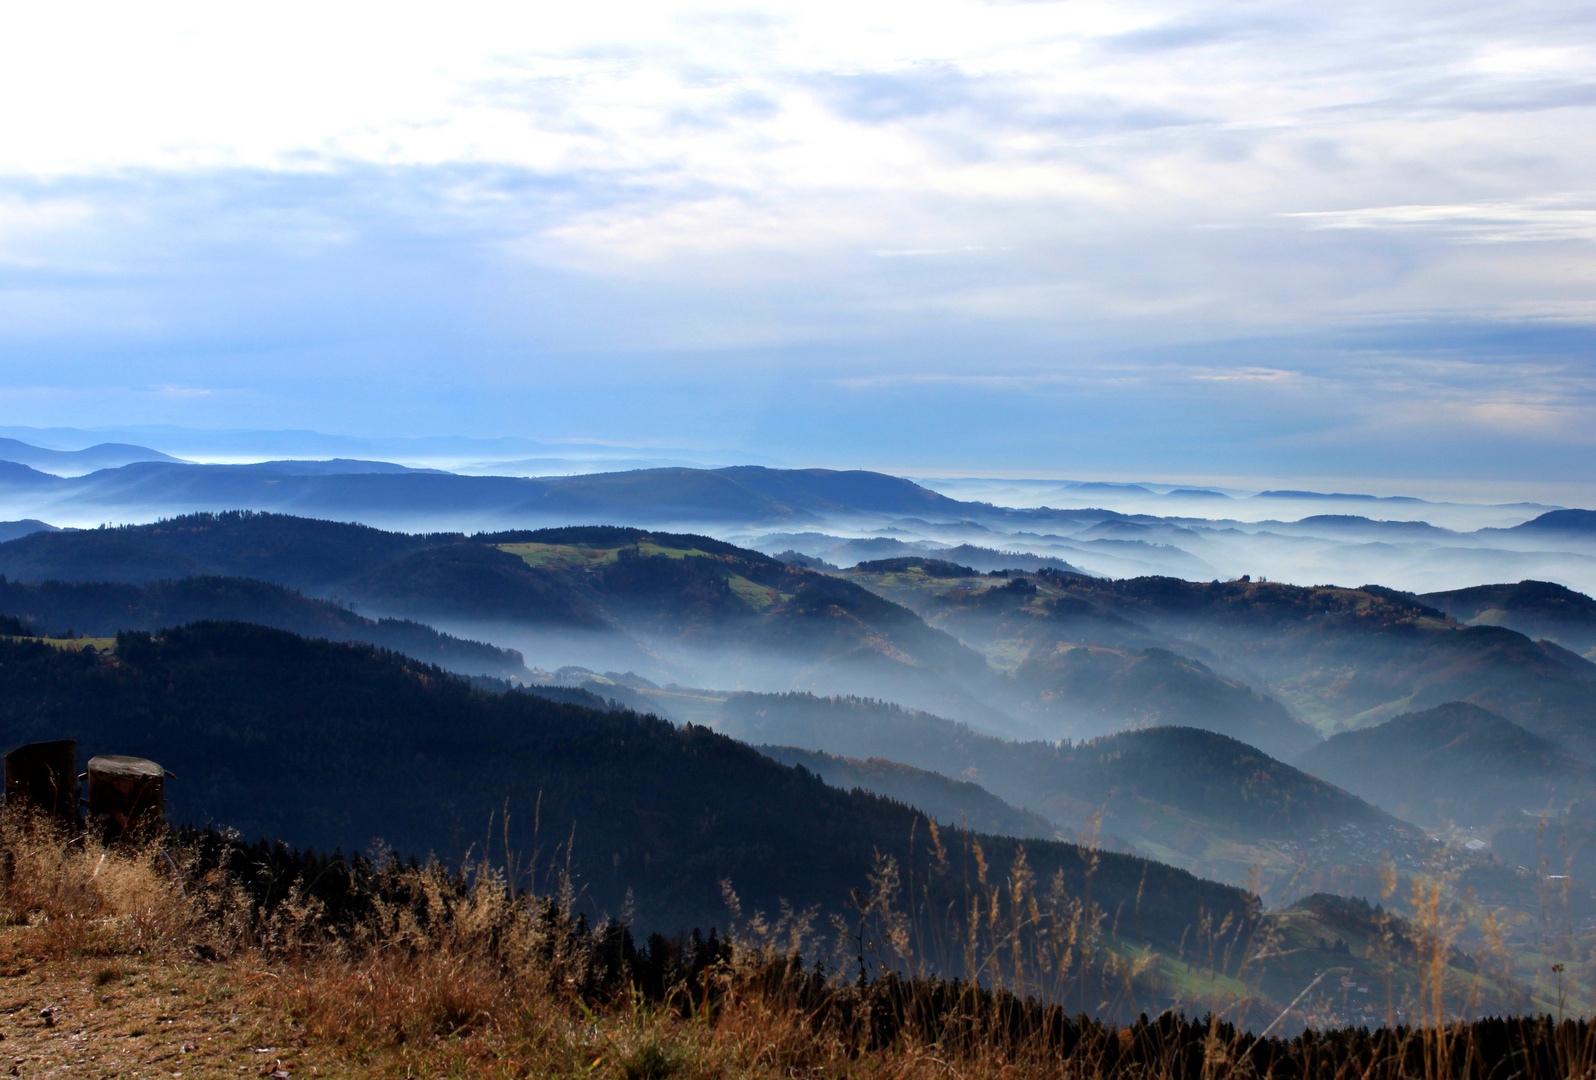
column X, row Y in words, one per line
column 99, row 644
column 572, row 555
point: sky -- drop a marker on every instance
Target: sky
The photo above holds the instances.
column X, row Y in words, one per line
column 1183, row 239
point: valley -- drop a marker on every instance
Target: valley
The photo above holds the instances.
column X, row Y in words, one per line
column 645, row 714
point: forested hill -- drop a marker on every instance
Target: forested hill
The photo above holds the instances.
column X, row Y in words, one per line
column 1183, row 778
column 333, row 744
column 302, row 553
column 652, row 598
column 1540, row 609
column 953, row 803
column 1336, row 658
column 1456, row 762
column 104, row 609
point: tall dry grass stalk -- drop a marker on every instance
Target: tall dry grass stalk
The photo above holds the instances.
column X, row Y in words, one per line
column 75, row 895
column 417, row 968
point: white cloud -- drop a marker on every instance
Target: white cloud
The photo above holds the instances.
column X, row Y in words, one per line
column 954, row 179
column 1548, row 218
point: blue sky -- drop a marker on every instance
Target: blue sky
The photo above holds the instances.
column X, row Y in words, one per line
column 1154, row 238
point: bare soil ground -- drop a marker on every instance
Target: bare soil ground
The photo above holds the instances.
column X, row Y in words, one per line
column 141, row 1017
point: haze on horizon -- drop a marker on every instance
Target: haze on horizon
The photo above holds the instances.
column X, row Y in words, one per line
column 1143, row 240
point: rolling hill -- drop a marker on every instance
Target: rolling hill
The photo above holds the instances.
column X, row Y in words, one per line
column 951, row 803
column 11, row 530
column 1078, row 668
column 743, row 493
column 678, row 604
column 1195, row 798
column 1568, row 522
column 1453, row 763
column 77, row 462
column 1538, row 609
column 1336, row 658
column 104, row 609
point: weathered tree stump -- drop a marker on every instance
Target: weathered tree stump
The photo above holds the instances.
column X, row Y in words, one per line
column 44, row 775
column 125, row 793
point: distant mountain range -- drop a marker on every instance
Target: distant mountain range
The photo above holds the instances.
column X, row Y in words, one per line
column 76, row 462
column 247, row 444
column 122, row 477
column 740, row 494
column 845, row 517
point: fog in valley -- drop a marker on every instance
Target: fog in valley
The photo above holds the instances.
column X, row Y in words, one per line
column 1095, row 659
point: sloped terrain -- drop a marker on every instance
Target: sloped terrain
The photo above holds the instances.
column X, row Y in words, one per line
column 104, row 609
column 1080, row 669
column 327, row 744
column 952, row 803
column 1193, row 798
column 1538, row 609
column 1453, row 763
column 1336, row 658
column 301, row 553
column 678, row 602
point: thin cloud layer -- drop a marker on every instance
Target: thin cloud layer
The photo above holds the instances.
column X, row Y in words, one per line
column 1344, row 223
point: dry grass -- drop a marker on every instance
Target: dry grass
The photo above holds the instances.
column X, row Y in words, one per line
column 76, row 898
column 155, row 962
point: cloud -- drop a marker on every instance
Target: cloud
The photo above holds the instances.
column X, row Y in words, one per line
column 1549, row 218
column 1303, row 221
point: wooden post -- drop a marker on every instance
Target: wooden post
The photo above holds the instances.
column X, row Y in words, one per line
column 125, row 793
column 44, row 775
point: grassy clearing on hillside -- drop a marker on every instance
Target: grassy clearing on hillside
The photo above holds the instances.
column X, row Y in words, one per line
column 567, row 556
column 99, row 644
column 759, row 597
column 571, row 555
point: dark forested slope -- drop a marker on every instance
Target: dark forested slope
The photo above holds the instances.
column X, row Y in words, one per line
column 302, row 553
column 104, row 609
column 320, row 743
column 955, row 803
column 1196, row 798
